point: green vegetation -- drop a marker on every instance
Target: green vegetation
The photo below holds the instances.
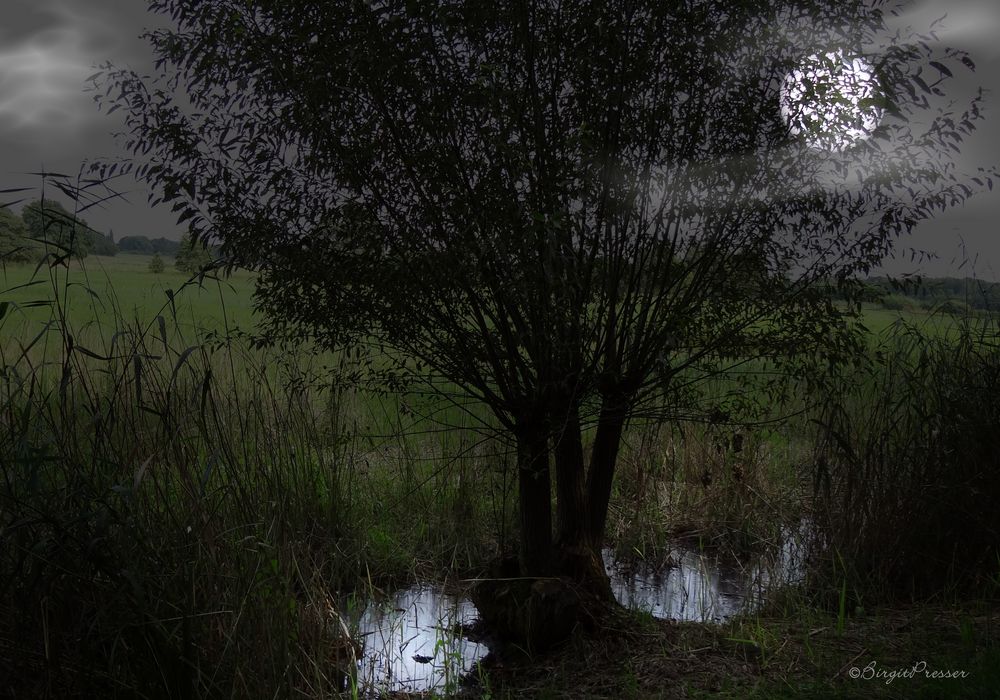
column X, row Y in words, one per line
column 533, row 283
column 156, row 265
column 146, row 246
column 23, row 237
column 49, row 221
column 15, row 244
column 932, row 292
column 921, row 424
column 204, row 501
column 192, row 256
column 790, row 654
column 566, row 217
column 123, row 290
column 177, row 492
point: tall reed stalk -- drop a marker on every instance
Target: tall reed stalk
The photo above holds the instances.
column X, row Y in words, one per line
column 907, row 471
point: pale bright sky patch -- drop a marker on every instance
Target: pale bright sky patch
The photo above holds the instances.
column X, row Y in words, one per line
column 42, row 82
column 968, row 24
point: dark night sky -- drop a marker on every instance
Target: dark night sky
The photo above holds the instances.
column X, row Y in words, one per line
column 48, row 48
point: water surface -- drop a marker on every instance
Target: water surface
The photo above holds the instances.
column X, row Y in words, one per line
column 412, row 640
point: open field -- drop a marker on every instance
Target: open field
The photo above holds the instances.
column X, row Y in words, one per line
column 121, row 288
column 110, row 290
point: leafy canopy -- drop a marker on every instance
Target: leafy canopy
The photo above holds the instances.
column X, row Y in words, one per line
column 49, row 221
column 156, row 265
column 192, row 255
column 15, row 246
column 547, row 203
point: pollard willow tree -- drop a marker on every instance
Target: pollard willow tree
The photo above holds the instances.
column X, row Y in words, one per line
column 563, row 208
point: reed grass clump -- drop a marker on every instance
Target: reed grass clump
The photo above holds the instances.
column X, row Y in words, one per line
column 177, row 513
column 729, row 488
column 907, row 469
column 164, row 518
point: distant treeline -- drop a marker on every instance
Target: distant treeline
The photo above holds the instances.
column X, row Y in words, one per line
column 148, row 246
column 41, row 225
column 931, row 292
column 23, row 237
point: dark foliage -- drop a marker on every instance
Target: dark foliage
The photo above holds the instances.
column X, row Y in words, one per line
column 908, row 475
column 15, row 244
column 145, row 246
column 48, row 221
column 573, row 212
column 135, row 244
column 192, row 255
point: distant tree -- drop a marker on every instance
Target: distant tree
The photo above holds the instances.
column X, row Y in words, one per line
column 166, row 246
column 15, row 246
column 101, row 244
column 192, row 256
column 51, row 222
column 894, row 302
column 156, row 265
column 135, row 244
column 542, row 204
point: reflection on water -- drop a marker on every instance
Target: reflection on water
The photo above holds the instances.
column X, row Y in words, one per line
column 786, row 566
column 698, row 587
column 411, row 644
column 691, row 588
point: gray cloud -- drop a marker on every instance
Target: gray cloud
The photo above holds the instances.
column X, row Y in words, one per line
column 972, row 25
column 41, row 81
column 47, row 119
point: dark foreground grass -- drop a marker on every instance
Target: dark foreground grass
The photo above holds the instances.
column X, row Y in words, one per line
column 177, row 513
column 907, row 468
column 803, row 655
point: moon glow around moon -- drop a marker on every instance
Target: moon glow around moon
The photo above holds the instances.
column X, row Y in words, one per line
column 831, row 100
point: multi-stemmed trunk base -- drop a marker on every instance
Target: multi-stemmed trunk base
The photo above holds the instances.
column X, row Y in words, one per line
column 537, row 612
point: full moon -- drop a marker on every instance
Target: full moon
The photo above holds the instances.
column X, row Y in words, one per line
column 831, row 100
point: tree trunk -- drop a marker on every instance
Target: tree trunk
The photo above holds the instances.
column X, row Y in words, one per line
column 535, row 500
column 571, row 520
column 578, row 556
column 554, row 590
column 603, row 458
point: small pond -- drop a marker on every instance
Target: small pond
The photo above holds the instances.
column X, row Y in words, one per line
column 412, row 640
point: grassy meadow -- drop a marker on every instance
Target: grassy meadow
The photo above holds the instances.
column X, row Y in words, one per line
column 104, row 292
column 179, row 509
